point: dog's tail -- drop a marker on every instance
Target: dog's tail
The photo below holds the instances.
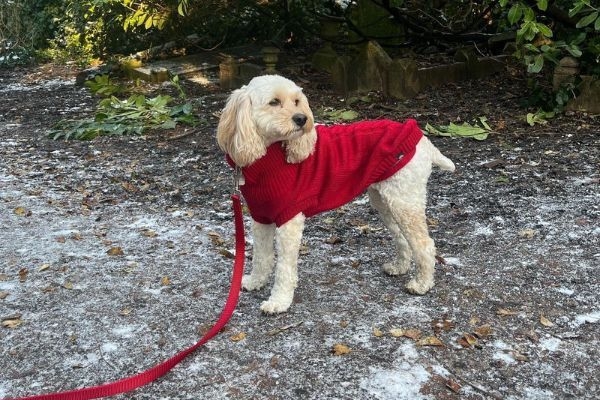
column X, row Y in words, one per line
column 437, row 158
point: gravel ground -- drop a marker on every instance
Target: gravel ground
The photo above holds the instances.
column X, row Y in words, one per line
column 115, row 254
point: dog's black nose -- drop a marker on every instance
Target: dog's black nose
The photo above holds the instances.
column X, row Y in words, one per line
column 299, row 119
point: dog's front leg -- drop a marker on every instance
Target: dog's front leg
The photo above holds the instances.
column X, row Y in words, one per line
column 287, row 239
column 263, row 256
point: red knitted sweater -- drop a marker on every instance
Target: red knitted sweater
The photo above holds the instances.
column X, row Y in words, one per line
column 346, row 161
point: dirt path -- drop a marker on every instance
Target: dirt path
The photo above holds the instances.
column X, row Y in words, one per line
column 113, row 256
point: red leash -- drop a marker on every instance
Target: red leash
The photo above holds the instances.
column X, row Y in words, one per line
column 143, row 378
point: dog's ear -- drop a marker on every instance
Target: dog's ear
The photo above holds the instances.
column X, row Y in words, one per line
column 297, row 150
column 237, row 133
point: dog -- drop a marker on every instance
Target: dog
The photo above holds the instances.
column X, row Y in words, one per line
column 293, row 169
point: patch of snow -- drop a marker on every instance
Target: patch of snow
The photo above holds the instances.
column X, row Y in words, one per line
column 589, row 318
column 550, row 343
column 506, row 357
column 402, row 382
column 110, row 347
column 502, row 353
column 565, row 290
column 124, row 331
column 361, row 200
column 482, row 230
column 455, row 261
column 52, row 83
column 530, row 393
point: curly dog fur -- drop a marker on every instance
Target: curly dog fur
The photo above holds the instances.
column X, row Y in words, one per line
column 274, row 109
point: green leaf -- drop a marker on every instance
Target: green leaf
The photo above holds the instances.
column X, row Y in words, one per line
column 544, row 30
column 515, row 13
column 537, row 65
column 597, row 24
column 463, row 130
column 542, row 4
column 588, row 19
column 575, row 51
column 575, row 10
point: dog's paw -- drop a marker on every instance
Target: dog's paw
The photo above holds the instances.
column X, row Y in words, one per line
column 394, row 268
column 275, row 307
column 249, row 283
column 415, row 286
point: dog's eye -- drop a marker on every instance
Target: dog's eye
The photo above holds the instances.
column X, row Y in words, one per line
column 296, row 102
column 275, row 102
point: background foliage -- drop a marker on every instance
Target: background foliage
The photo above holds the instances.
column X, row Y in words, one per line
column 543, row 31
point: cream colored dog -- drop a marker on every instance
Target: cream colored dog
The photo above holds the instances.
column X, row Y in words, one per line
column 272, row 109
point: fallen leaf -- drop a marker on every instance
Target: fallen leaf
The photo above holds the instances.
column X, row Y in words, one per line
column 413, row 334
column 527, row 233
column 467, row 340
column 238, row 337
column 453, row 385
column 115, row 251
column 226, row 253
column 215, row 238
column 68, row 285
column 3, row 277
column 440, row 260
column 533, row 336
column 165, row 281
column 474, row 321
column 432, row 222
column 3, row 294
column 333, row 240
column 344, row 323
column 148, row 232
column 125, row 312
column 478, row 131
column 518, row 356
column 12, row 321
column 429, row 341
column 22, row 212
column 23, row 272
column 340, row 349
column 445, row 325
column 505, row 312
column 397, row 332
column 483, row 331
column 44, row 267
column 545, row 321
column 377, row 332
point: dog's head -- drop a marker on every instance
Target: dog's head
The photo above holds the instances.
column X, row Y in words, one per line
column 269, row 109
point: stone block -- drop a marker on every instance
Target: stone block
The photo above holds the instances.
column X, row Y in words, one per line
column 402, row 79
column 589, row 96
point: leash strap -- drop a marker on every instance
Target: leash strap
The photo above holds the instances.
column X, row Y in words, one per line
column 143, row 378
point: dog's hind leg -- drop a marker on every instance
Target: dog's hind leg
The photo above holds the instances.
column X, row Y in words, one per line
column 401, row 265
column 288, row 238
column 263, row 256
column 404, row 197
column 413, row 224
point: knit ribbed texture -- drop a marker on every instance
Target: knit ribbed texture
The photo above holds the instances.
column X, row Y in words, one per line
column 346, row 161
